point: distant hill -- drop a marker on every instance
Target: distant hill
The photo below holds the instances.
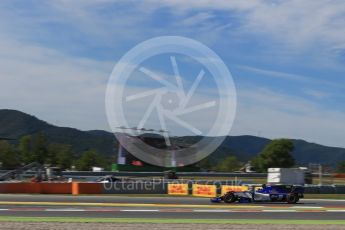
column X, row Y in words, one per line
column 15, row 124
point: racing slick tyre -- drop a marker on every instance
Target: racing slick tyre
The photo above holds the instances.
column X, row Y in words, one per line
column 293, row 198
column 229, row 197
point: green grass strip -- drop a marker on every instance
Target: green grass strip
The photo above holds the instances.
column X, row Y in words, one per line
column 165, row 221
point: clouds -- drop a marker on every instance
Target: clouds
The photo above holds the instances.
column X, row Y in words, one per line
column 274, row 115
column 296, row 22
column 210, row 4
column 294, row 77
column 55, row 87
column 301, row 22
column 287, row 58
column 286, row 30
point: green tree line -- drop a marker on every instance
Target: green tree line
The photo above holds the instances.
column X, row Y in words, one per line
column 36, row 148
column 277, row 154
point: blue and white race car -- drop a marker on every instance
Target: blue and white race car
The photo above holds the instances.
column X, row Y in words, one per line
column 267, row 193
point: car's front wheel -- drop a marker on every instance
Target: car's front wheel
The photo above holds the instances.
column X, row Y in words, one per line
column 229, row 197
column 293, row 198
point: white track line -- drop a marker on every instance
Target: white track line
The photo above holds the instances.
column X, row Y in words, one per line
column 335, row 210
column 278, row 210
column 64, row 210
column 139, row 210
column 4, row 209
column 314, row 207
column 211, row 210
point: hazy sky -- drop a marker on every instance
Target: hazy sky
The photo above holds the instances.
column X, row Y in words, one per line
column 287, row 59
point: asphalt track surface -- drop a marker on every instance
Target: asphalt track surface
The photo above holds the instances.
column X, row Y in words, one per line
column 164, row 207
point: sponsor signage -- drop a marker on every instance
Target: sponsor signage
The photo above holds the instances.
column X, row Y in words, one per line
column 234, row 188
column 178, row 189
column 204, row 190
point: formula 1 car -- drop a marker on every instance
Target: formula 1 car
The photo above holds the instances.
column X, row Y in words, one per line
column 267, row 193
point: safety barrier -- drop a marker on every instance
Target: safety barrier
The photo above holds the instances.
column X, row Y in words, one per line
column 144, row 187
column 325, row 189
column 36, row 188
column 135, row 187
column 339, row 175
column 86, row 188
column 206, row 190
column 55, row 188
column 90, row 174
column 52, row 188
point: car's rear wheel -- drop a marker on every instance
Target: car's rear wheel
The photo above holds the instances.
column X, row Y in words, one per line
column 229, row 197
column 293, row 198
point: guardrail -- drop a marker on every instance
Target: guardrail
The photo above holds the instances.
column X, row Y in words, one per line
column 150, row 174
column 159, row 174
